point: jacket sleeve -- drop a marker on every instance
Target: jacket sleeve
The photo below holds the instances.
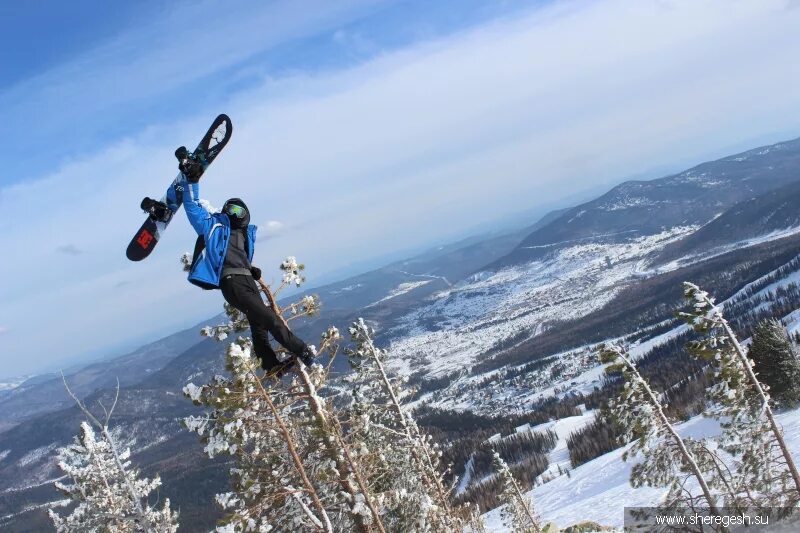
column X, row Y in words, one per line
column 198, row 216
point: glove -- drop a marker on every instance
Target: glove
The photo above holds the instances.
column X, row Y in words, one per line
column 190, row 168
column 256, row 272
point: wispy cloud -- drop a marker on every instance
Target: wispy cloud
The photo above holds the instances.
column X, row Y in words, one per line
column 69, row 249
column 168, row 60
column 403, row 150
column 270, row 229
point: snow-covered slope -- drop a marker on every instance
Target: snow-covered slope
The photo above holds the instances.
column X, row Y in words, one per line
column 599, row 490
column 13, row 383
column 493, row 309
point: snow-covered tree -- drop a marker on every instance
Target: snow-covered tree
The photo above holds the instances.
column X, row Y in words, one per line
column 407, row 473
column 776, row 362
column 765, row 470
column 108, row 490
column 294, row 465
column 517, row 511
column 348, row 465
column 667, row 457
column 261, row 427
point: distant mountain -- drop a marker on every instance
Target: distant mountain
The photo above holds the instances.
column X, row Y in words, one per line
column 775, row 211
column 637, row 208
column 46, row 393
column 443, row 265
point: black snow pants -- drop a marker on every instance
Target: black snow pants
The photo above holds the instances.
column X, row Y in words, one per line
column 241, row 292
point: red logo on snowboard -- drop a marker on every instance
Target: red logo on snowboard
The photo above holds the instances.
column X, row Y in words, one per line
column 145, row 238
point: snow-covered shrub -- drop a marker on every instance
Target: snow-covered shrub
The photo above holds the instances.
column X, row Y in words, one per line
column 109, row 493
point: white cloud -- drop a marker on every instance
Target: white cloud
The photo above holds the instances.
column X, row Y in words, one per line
column 270, row 229
column 164, row 61
column 404, row 150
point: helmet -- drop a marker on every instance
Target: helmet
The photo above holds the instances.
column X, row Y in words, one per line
column 237, row 212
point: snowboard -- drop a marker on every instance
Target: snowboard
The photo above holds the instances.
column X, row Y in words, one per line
column 160, row 213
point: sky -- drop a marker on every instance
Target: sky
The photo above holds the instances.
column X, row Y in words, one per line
column 361, row 128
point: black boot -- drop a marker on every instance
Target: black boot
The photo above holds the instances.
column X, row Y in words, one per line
column 306, row 357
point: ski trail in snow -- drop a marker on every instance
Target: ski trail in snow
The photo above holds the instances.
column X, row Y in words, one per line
column 426, row 276
column 29, row 508
column 467, row 477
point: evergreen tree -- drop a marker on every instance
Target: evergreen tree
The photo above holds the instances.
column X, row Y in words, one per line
column 295, row 467
column 408, row 471
column 765, row 472
column 262, row 429
column 667, row 457
column 517, row 510
column 109, row 493
column 775, row 362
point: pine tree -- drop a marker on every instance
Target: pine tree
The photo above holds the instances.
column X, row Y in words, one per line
column 261, row 428
column 765, row 472
column 667, row 457
column 110, row 494
column 294, row 465
column 352, row 459
column 517, row 510
column 348, row 465
column 408, row 472
column 776, row 362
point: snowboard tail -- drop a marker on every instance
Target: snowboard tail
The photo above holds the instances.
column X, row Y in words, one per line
column 161, row 212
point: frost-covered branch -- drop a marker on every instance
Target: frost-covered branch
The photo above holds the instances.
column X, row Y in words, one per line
column 741, row 402
column 640, row 413
column 419, row 495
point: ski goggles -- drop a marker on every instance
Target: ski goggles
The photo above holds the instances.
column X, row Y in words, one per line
column 235, row 210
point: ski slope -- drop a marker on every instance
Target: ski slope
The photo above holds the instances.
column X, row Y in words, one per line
column 599, row 490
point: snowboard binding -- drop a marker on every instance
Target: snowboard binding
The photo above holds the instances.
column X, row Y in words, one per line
column 189, row 164
column 158, row 211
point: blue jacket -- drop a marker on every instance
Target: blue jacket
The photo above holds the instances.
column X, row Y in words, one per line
column 215, row 230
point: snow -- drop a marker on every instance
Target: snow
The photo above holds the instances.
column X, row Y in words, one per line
column 193, row 392
column 458, row 325
column 563, row 428
column 599, row 490
column 720, row 250
column 13, row 383
column 465, row 480
column 29, row 508
column 626, row 202
column 37, row 454
column 403, row 288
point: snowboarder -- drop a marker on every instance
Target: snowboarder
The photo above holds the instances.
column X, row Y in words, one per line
column 222, row 259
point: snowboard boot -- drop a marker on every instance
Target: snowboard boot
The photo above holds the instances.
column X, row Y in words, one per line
column 307, row 357
column 277, row 371
column 189, row 165
column 157, row 210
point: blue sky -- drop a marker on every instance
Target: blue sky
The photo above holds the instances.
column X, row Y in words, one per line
column 67, row 66
column 353, row 120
